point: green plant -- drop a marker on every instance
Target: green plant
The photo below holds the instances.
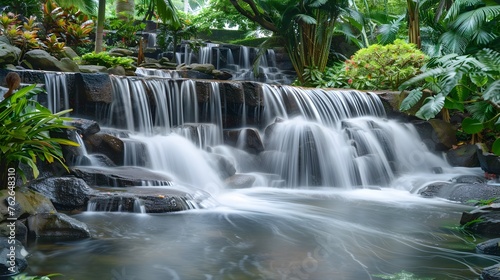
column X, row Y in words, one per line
column 483, row 202
column 24, row 276
column 384, row 67
column 70, row 25
column 125, row 31
column 333, row 77
column 467, row 83
column 25, row 128
column 24, row 35
column 105, row 59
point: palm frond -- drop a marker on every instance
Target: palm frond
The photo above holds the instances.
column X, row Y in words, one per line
column 457, row 7
column 453, row 43
column 469, row 22
column 388, row 32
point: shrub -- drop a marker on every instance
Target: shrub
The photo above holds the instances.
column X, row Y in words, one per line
column 105, row 59
column 384, row 67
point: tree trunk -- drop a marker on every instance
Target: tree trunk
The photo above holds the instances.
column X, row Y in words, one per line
column 413, row 23
column 100, row 25
column 125, row 9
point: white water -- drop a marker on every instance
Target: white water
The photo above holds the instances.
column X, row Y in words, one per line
column 333, row 196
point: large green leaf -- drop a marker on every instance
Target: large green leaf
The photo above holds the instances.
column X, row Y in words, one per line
column 432, row 106
column 492, row 92
column 413, row 97
column 495, row 148
column 472, row 126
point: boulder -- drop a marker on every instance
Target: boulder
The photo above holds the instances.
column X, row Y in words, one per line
column 491, row 273
column 239, row 181
column 436, row 134
column 490, row 247
column 117, row 70
column 69, row 53
column 42, row 60
column 96, row 87
column 93, row 69
column 65, row 193
column 483, row 220
column 84, row 127
column 150, row 200
column 11, row 261
column 27, row 203
column 247, row 139
column 106, row 144
column 56, row 226
column 465, row 189
column 9, row 54
column 124, row 176
column 225, row 168
column 464, row 156
column 489, row 162
column 122, row 52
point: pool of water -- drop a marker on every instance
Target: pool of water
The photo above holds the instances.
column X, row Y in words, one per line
column 270, row 233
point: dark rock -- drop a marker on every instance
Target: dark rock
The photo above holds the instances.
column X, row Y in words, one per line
column 483, row 220
column 489, row 162
column 56, row 226
column 490, row 247
column 491, row 273
column 96, row 87
column 222, row 75
column 106, row 144
column 436, row 134
column 247, row 139
column 66, row 193
column 85, row 127
column 126, row 176
column 464, row 156
column 150, row 200
column 12, row 261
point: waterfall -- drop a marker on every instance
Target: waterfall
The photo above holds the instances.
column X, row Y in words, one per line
column 134, row 98
column 311, row 137
column 57, row 92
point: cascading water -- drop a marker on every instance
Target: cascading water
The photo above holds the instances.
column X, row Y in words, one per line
column 55, row 84
column 330, row 196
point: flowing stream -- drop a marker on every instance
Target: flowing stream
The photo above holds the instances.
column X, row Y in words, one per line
column 333, row 196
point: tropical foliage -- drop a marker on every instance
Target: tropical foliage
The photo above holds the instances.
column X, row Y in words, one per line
column 25, row 128
column 305, row 27
column 467, row 83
